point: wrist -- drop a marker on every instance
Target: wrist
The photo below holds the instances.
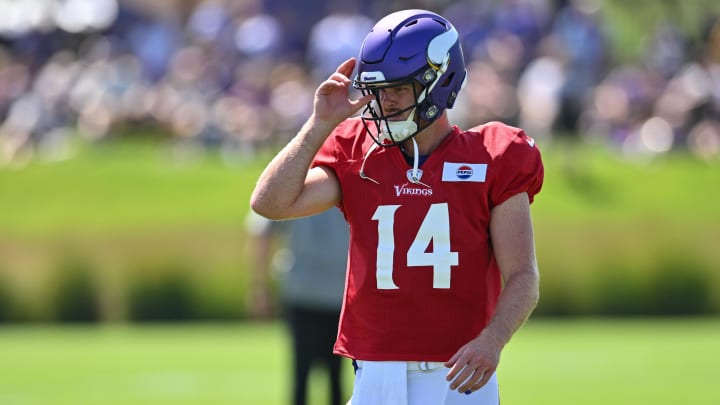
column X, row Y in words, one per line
column 497, row 337
column 319, row 126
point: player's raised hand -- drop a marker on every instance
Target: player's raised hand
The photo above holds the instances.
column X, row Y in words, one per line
column 473, row 364
column 332, row 98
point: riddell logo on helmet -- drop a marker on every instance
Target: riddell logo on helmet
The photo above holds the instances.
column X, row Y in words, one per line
column 406, row 189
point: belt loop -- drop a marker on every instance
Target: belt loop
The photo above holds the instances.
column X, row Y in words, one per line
column 423, row 366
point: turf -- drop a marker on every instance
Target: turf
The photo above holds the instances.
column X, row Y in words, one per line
column 636, row 361
column 630, row 361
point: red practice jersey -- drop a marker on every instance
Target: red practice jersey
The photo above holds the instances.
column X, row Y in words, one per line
column 422, row 279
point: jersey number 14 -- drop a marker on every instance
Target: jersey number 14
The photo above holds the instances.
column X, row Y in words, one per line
column 435, row 228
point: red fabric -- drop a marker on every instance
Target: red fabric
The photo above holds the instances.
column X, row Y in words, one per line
column 416, row 321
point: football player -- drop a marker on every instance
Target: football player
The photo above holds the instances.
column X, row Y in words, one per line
column 442, row 269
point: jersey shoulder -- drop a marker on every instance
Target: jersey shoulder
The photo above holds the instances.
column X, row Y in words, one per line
column 499, row 139
column 515, row 162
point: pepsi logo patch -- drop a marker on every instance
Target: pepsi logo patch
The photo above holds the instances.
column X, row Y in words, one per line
column 464, row 172
column 472, row 172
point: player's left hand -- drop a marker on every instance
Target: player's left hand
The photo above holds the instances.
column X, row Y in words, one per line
column 474, row 363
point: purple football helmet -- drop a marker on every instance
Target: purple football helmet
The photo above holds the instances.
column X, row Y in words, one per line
column 405, row 47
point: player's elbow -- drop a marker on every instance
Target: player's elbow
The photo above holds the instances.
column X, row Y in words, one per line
column 533, row 285
column 265, row 207
column 527, row 281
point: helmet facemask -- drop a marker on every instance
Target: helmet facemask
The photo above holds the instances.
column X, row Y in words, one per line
column 387, row 129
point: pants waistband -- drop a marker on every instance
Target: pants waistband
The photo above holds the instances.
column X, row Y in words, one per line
column 413, row 365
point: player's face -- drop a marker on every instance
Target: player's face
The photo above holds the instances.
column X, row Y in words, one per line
column 397, row 98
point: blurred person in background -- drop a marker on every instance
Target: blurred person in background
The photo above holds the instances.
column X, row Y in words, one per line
column 442, row 268
column 311, row 290
column 580, row 38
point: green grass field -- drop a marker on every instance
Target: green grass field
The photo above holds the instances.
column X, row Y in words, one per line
column 633, row 361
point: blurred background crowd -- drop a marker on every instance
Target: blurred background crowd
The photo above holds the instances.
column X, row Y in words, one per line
column 240, row 74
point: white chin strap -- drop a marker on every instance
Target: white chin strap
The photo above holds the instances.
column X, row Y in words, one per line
column 415, row 176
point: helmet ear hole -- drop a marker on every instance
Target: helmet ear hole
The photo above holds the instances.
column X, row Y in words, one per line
column 448, row 79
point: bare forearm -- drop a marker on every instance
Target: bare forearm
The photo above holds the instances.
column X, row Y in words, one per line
column 516, row 303
column 281, row 183
column 482, row 354
column 288, row 188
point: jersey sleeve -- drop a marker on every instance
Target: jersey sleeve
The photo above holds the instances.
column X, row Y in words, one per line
column 326, row 155
column 518, row 169
column 340, row 145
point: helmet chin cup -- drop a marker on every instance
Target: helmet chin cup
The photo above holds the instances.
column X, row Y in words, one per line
column 398, row 131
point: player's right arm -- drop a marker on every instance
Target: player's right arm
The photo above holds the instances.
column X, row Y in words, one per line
column 288, row 188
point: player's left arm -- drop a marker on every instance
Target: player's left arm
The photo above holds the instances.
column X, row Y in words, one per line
column 512, row 237
column 511, row 232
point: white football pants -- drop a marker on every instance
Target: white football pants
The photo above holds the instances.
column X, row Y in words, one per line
column 417, row 388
